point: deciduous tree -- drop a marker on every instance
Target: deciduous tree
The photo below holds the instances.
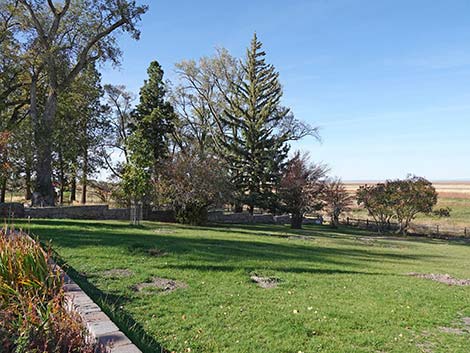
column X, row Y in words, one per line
column 337, row 199
column 301, row 187
column 64, row 38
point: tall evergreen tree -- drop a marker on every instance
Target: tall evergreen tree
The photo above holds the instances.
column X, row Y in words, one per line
column 154, row 117
column 152, row 123
column 257, row 144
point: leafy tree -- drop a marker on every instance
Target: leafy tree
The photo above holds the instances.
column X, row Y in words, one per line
column 258, row 129
column 58, row 41
column 377, row 200
column 5, row 166
column 119, row 102
column 80, row 130
column 137, row 173
column 337, row 199
column 22, row 155
column 398, row 199
column 301, row 187
column 409, row 197
column 200, row 101
column 13, row 80
column 191, row 184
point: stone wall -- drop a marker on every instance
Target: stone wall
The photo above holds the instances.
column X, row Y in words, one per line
column 103, row 212
column 246, row 218
column 77, row 212
column 11, row 210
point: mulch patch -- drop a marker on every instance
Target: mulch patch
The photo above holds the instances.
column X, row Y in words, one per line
column 161, row 285
column 118, row 273
column 442, row 278
column 265, row 282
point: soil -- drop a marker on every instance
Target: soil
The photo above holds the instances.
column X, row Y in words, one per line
column 156, row 252
column 118, row 273
column 464, row 328
column 446, row 279
column 161, row 285
column 266, row 282
column 301, row 237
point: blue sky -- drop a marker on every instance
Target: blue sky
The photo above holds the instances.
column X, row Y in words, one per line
column 388, row 82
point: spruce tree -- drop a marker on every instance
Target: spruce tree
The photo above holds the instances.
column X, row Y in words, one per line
column 154, row 117
column 256, row 146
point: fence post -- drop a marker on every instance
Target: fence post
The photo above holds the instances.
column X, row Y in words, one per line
column 347, row 220
column 367, row 223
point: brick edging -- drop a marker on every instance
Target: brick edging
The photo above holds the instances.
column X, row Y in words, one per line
column 96, row 321
column 98, row 324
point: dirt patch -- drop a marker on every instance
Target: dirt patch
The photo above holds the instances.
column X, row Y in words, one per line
column 265, row 282
column 463, row 327
column 446, row 279
column 301, row 237
column 164, row 231
column 156, row 252
column 161, row 285
column 118, row 273
column 452, row 330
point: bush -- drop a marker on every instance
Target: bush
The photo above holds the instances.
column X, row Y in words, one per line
column 191, row 184
column 32, row 303
column 442, row 212
column 193, row 213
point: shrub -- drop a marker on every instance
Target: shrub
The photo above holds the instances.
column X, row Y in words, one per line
column 442, row 212
column 191, row 184
column 32, row 303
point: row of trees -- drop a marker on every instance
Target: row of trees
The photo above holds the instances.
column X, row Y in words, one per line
column 49, row 87
column 219, row 135
column 221, row 132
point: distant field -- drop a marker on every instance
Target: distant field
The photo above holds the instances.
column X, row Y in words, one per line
column 455, row 195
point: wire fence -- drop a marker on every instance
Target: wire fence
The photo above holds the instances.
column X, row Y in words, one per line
column 435, row 230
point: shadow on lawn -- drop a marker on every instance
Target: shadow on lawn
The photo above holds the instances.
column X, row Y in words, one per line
column 212, row 251
column 111, row 305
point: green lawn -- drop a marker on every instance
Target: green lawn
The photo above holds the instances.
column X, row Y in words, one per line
column 339, row 291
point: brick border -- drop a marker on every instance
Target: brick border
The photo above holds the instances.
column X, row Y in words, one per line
column 99, row 325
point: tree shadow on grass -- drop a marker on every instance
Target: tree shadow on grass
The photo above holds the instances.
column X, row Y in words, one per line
column 110, row 304
column 209, row 249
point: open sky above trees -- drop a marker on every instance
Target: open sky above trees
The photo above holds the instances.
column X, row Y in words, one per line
column 390, row 99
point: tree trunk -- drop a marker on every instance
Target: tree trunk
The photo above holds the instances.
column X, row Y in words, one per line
column 3, row 190
column 238, row 207
column 62, row 178
column 28, row 183
column 44, row 191
column 296, row 220
column 73, row 188
column 84, row 179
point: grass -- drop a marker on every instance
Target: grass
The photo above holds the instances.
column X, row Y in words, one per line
column 339, row 292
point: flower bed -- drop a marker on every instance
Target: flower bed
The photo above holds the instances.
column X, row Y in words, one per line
column 33, row 309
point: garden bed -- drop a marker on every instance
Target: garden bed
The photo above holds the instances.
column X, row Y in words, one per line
column 44, row 310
